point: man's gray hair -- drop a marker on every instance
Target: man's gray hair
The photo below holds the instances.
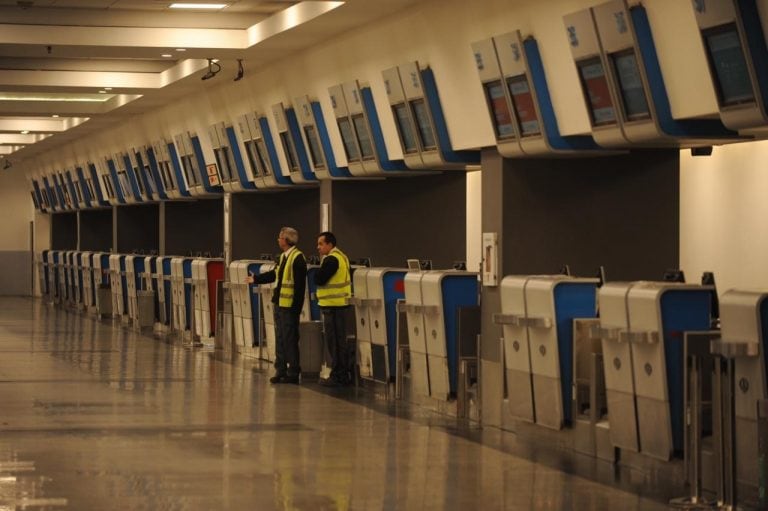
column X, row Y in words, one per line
column 290, row 235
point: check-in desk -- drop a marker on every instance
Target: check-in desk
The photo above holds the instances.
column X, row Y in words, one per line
column 206, row 273
column 164, row 294
column 432, row 300
column 181, row 295
column 101, row 284
column 744, row 321
column 117, row 284
column 376, row 292
column 268, row 310
column 246, row 305
column 647, row 335
column 41, row 260
column 134, row 270
column 88, row 291
column 537, row 318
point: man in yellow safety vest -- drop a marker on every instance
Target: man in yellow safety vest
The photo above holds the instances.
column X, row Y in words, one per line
column 334, row 288
column 288, row 297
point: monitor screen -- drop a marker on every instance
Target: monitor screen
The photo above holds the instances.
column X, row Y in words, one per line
column 348, row 138
column 253, row 158
column 165, row 175
column 405, row 129
column 366, row 146
column 221, row 160
column 231, row 168
column 150, row 179
column 261, row 151
column 728, row 65
column 139, row 182
column 35, row 201
column 189, row 170
column 633, row 101
column 289, row 154
column 124, row 184
column 315, row 152
column 424, row 124
column 522, row 99
column 497, row 103
column 595, row 86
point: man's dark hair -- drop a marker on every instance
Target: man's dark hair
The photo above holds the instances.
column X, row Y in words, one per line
column 328, row 237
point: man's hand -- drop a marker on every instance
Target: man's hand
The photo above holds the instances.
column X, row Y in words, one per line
column 249, row 278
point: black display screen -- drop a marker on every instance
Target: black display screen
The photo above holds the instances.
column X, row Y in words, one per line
column 366, row 146
column 633, row 101
column 315, row 152
column 348, row 138
column 500, row 112
column 253, row 158
column 522, row 99
column 596, row 91
column 728, row 65
column 405, row 129
column 288, row 148
column 424, row 123
column 261, row 150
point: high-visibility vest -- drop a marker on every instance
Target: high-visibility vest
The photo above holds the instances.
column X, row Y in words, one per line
column 286, row 286
column 338, row 289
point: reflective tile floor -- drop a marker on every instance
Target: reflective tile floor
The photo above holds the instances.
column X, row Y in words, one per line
column 95, row 417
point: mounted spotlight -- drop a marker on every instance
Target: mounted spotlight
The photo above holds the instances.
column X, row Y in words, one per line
column 213, row 69
column 240, row 71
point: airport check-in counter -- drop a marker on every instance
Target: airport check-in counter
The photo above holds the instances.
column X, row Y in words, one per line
column 164, row 294
column 361, row 135
column 642, row 325
column 206, row 273
column 518, row 100
column 292, row 144
column 246, row 303
column 181, row 294
column 268, row 311
column 89, row 292
column 733, row 36
column 116, row 283
column 102, row 281
column 134, row 272
column 260, row 149
column 432, row 300
column 168, row 168
column 744, row 321
column 376, row 292
column 312, row 127
column 537, row 318
column 423, row 133
column 201, row 179
column 226, row 149
column 618, row 67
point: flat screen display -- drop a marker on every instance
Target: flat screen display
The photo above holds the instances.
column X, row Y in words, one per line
column 231, row 170
column 288, row 148
column 315, row 152
column 150, row 179
column 139, row 182
column 221, row 160
column 595, row 86
column 728, row 65
column 497, row 103
column 34, row 200
column 633, row 100
column 424, row 124
column 348, row 138
column 122, row 176
column 261, row 151
column 405, row 129
column 253, row 157
column 78, row 192
column 366, row 146
column 89, row 183
column 189, row 170
column 166, row 176
column 108, row 186
column 522, row 99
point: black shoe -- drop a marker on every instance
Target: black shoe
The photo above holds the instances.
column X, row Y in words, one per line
column 278, row 378
column 290, row 379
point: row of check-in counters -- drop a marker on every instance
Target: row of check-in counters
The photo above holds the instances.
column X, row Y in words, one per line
column 548, row 324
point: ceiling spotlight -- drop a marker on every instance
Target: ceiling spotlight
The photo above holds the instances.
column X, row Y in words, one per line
column 213, row 69
column 102, row 92
column 55, row 115
column 107, row 88
column 166, row 55
column 240, row 71
column 181, row 49
column 24, row 132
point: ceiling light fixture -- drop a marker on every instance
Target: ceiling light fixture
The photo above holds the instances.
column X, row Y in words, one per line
column 166, row 55
column 102, row 92
column 24, row 132
column 197, row 6
column 55, row 115
column 181, row 49
column 107, row 88
column 213, row 69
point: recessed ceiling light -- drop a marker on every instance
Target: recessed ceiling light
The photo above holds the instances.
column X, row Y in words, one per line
column 24, row 132
column 107, row 88
column 102, row 92
column 55, row 115
column 166, row 55
column 181, row 49
column 197, row 6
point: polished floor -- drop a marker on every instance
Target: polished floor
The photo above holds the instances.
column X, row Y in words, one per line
column 95, row 417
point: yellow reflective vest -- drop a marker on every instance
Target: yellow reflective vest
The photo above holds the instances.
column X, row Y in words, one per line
column 338, row 289
column 286, row 286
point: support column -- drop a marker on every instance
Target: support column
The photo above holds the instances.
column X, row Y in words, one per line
column 161, row 228
column 491, row 367
column 326, row 206
column 113, row 248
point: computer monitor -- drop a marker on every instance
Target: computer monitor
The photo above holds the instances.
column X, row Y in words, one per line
column 405, row 129
column 728, row 65
column 501, row 114
column 598, row 95
column 423, row 124
column 633, row 101
column 522, row 99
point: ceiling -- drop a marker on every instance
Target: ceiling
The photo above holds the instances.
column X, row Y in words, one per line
column 71, row 67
